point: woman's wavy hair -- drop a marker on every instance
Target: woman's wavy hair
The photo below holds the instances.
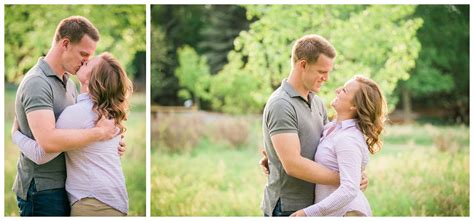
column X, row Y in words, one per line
column 371, row 111
column 109, row 89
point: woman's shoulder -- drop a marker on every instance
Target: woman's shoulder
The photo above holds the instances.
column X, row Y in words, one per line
column 351, row 137
column 79, row 115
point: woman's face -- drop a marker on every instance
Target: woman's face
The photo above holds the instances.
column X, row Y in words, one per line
column 343, row 103
column 84, row 72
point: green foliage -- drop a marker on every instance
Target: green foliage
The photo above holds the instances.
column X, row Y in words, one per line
column 441, row 76
column 173, row 26
column 29, row 31
column 193, row 73
column 209, row 29
column 162, row 84
column 409, row 177
column 261, row 56
column 444, row 55
column 223, row 24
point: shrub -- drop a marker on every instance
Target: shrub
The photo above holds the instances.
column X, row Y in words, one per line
column 232, row 131
column 177, row 132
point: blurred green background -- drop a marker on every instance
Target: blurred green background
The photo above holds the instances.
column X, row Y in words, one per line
column 29, row 30
column 227, row 59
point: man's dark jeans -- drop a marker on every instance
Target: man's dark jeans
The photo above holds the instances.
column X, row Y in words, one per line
column 53, row 202
column 277, row 211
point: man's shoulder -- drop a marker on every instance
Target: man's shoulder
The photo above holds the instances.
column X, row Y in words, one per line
column 33, row 83
column 278, row 96
column 34, row 76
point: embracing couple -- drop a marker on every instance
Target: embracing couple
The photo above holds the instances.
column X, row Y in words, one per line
column 316, row 167
column 71, row 142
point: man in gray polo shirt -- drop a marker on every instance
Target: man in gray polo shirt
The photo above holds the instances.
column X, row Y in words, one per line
column 293, row 120
column 43, row 94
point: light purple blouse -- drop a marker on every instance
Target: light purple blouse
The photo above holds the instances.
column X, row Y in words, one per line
column 342, row 148
column 92, row 171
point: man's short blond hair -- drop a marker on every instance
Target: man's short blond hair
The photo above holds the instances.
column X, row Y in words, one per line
column 309, row 47
column 74, row 28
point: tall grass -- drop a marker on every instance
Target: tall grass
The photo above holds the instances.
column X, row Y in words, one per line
column 410, row 177
column 133, row 163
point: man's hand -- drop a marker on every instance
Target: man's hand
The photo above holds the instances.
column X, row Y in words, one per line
column 122, row 146
column 264, row 163
column 15, row 126
column 298, row 213
column 107, row 128
column 364, row 183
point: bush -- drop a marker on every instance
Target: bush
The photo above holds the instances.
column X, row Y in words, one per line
column 177, row 132
column 445, row 141
column 233, row 131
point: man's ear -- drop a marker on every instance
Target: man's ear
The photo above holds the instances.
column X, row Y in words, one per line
column 65, row 42
column 302, row 64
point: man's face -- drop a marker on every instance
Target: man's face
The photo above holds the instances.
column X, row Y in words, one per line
column 75, row 54
column 315, row 74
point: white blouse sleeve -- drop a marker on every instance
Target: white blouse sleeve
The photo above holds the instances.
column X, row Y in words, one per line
column 31, row 149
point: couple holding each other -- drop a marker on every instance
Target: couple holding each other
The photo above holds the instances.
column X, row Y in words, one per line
column 52, row 118
column 295, row 125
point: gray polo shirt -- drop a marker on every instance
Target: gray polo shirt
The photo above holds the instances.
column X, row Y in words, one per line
column 41, row 89
column 287, row 112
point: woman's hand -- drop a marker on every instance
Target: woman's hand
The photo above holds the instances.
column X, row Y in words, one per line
column 364, row 183
column 298, row 213
column 264, row 163
column 15, row 126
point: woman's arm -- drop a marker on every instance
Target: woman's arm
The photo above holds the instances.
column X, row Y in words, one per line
column 31, row 149
column 349, row 159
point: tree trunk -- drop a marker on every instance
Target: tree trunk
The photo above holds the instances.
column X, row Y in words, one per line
column 406, row 101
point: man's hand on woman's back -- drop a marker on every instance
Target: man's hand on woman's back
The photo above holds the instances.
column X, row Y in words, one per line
column 107, row 128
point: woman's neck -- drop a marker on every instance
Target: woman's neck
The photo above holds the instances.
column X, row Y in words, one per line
column 84, row 88
column 342, row 117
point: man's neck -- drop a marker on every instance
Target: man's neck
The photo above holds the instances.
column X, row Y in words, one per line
column 295, row 81
column 53, row 61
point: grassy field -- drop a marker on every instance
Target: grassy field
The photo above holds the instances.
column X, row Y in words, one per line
column 423, row 170
column 133, row 163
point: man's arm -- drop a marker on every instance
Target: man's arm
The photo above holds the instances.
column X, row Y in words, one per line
column 287, row 147
column 43, row 126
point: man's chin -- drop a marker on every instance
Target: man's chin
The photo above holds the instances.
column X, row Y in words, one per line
column 316, row 90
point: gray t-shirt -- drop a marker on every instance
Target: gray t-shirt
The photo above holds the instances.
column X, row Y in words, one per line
column 41, row 89
column 287, row 112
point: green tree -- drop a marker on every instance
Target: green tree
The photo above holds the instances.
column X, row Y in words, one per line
column 209, row 29
column 29, row 30
column 193, row 74
column 378, row 41
column 224, row 23
column 161, row 84
column 172, row 27
column 441, row 76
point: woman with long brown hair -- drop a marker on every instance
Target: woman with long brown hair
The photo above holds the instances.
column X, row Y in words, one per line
column 345, row 147
column 95, row 182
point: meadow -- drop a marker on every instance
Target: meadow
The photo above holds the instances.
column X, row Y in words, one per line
column 133, row 162
column 423, row 170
